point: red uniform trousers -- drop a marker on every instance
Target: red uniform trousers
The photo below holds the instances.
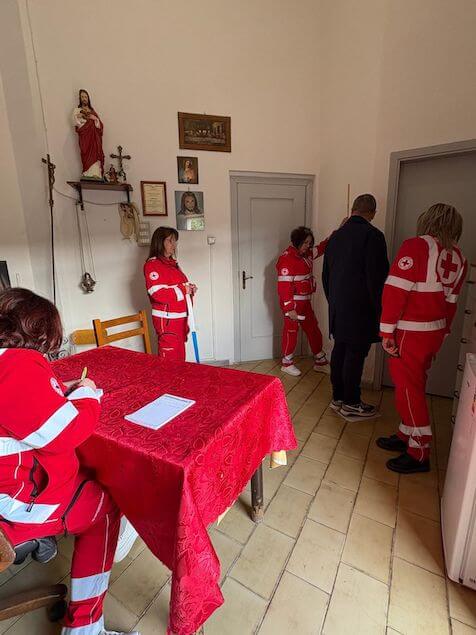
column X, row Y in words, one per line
column 171, row 336
column 310, row 327
column 409, row 372
column 93, row 518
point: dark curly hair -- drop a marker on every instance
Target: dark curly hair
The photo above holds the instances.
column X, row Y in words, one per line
column 299, row 235
column 29, row 321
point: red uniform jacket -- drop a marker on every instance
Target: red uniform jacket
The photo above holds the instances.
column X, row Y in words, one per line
column 296, row 282
column 165, row 283
column 40, row 429
column 422, row 288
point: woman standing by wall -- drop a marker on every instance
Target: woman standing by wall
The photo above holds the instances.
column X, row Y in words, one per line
column 167, row 286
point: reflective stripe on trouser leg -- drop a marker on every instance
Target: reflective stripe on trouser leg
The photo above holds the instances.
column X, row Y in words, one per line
column 94, row 520
column 289, row 341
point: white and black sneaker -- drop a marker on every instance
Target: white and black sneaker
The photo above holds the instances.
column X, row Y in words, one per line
column 360, row 410
column 336, row 404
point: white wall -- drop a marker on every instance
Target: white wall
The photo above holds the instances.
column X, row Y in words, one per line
column 143, row 63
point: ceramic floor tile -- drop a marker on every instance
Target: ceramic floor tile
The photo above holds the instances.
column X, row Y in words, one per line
column 419, row 499
column 155, row 619
column 375, row 468
column 461, row 629
column 287, row 510
column 303, row 425
column 319, row 447
column 241, row 612
column 462, row 603
column 37, row 575
column 35, row 622
column 262, row 560
column 353, row 445
column 378, row 501
column 358, row 605
column 141, row 582
column 364, row 428
column 332, row 506
column 226, row 549
column 305, row 475
column 330, row 426
column 272, row 479
column 418, row 540
column 417, row 601
column 368, row 547
column 237, row 523
column 297, row 607
column 117, row 616
column 345, row 472
column 316, row 555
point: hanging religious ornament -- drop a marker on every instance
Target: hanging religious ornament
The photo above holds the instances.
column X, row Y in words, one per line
column 120, row 158
column 87, row 282
column 111, row 175
column 90, row 129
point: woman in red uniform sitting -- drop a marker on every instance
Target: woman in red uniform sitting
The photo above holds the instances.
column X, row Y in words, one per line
column 296, row 284
column 43, row 489
column 167, row 286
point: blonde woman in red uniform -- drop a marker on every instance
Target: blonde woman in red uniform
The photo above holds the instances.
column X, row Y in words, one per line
column 418, row 307
column 167, row 286
column 296, row 284
column 43, row 489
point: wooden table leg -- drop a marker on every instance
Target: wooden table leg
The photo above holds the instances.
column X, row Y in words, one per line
column 257, row 510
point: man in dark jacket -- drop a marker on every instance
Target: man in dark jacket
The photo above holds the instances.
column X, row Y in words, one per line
column 355, row 268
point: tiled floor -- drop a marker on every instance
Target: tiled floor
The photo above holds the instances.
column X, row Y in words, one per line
column 345, row 547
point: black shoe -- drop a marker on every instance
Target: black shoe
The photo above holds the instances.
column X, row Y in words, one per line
column 406, row 464
column 392, row 444
column 361, row 409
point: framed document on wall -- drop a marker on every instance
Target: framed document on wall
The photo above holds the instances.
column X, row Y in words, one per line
column 154, row 198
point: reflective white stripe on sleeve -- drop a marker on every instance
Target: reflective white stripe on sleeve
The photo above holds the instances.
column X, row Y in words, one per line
column 387, row 328
column 431, row 275
column 178, row 292
column 52, row 427
column 168, row 315
column 303, row 277
column 9, row 446
column 157, row 287
column 413, row 431
column 83, row 392
column 89, row 587
column 428, row 287
column 17, row 512
column 301, row 297
column 285, row 278
column 408, row 325
column 452, row 298
column 288, row 302
column 401, row 283
column 90, row 629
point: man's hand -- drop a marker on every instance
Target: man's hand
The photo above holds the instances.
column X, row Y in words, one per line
column 389, row 345
column 293, row 315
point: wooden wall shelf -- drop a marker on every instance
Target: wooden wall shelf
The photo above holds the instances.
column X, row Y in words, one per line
column 79, row 186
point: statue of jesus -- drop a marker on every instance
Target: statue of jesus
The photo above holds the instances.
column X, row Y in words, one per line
column 89, row 128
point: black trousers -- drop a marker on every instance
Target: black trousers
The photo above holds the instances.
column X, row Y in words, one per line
column 347, row 364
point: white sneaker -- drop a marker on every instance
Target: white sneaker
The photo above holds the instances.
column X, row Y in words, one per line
column 291, row 370
column 336, row 405
column 127, row 538
column 119, row 633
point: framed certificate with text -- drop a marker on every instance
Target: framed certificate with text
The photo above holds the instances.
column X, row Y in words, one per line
column 154, row 198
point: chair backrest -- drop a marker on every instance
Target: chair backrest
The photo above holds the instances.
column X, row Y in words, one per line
column 102, row 336
column 83, row 337
column 7, row 552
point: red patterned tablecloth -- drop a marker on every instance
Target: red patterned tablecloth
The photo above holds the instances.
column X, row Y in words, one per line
column 173, row 482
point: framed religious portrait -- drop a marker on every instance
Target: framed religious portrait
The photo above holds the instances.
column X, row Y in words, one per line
column 204, row 132
column 4, row 277
column 189, row 211
column 187, row 169
column 154, row 198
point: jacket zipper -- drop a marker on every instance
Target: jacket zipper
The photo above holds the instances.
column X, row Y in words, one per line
column 34, row 491
column 72, row 502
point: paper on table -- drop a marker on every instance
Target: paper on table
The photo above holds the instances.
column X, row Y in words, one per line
column 157, row 413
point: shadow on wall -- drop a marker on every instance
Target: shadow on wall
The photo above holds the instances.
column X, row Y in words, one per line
column 271, row 300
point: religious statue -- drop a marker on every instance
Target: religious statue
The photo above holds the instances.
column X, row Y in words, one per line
column 89, row 127
column 111, row 175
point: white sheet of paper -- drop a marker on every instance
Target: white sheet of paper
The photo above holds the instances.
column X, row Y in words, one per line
column 157, row 413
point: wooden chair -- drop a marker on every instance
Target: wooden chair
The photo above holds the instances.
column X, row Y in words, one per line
column 52, row 597
column 83, row 337
column 102, row 336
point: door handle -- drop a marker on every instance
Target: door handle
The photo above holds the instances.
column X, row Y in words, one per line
column 244, row 278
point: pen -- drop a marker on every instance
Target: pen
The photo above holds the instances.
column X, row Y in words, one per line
column 84, row 373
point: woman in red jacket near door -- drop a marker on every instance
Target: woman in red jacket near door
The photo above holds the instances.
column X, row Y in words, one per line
column 167, row 286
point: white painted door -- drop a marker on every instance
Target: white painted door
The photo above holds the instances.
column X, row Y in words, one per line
column 267, row 213
column 452, row 180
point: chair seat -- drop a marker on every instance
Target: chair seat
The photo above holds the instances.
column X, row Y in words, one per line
column 42, row 550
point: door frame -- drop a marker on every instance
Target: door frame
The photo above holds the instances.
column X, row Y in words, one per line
column 238, row 177
column 397, row 159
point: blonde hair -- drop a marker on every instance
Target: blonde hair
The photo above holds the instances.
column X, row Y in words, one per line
column 443, row 222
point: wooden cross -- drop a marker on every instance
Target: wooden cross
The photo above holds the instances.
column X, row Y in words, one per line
column 120, row 157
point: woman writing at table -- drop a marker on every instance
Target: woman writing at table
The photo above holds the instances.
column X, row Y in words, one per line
column 43, row 489
column 167, row 286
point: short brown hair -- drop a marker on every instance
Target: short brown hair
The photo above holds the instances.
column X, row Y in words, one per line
column 364, row 204
column 442, row 221
column 157, row 242
column 299, row 235
column 29, row 321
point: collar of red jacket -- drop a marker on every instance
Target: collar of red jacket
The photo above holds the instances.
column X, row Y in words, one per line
column 295, row 252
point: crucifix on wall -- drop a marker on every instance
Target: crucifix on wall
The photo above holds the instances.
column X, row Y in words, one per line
column 120, row 158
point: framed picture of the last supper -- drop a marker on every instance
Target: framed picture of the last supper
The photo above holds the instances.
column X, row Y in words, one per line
column 204, row 132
